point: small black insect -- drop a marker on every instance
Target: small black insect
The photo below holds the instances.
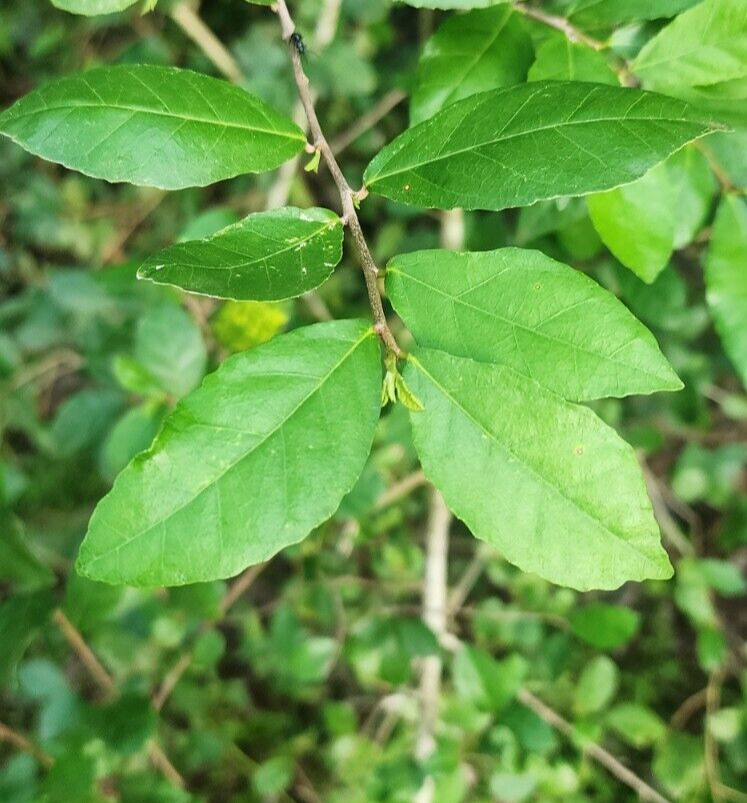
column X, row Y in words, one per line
column 297, row 41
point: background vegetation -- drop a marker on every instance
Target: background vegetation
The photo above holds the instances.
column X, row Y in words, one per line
column 302, row 680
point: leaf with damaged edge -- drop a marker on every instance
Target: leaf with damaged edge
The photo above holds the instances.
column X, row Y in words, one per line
column 152, row 126
column 249, row 463
column 512, row 147
column 520, row 308
column 269, row 256
column 532, row 474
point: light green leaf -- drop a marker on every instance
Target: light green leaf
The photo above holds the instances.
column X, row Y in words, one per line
column 485, row 682
column 252, row 461
column 92, row 8
column 704, row 45
column 726, row 279
column 559, row 59
column 544, row 481
column 269, row 256
column 596, row 686
column 462, row 5
column 614, row 12
column 169, row 346
column 512, row 147
column 470, row 53
column 153, row 126
column 19, row 567
column 604, row 626
column 636, row 724
column 637, row 222
column 520, row 308
column 644, row 222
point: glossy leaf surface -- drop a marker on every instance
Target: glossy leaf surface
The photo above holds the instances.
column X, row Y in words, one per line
column 705, row 45
column 269, row 256
column 249, row 463
column 470, row 53
column 515, row 146
column 153, row 126
column 532, row 474
column 521, row 309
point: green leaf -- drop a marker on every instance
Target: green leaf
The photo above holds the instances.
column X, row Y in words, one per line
column 462, row 5
column 520, row 308
column 702, row 46
column 485, row 682
column 255, row 459
column 153, row 126
column 91, row 8
column 636, row 724
column 269, row 256
column 21, row 616
column 604, row 626
column 470, row 53
column 726, row 279
column 596, row 686
column 169, row 346
column 18, row 565
column 559, row 59
column 614, row 12
column 531, row 474
column 512, row 147
column 637, row 222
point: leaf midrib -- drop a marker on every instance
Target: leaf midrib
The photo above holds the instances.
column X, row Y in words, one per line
column 278, row 427
column 492, row 314
column 530, row 469
column 553, row 127
column 7, row 118
column 213, row 241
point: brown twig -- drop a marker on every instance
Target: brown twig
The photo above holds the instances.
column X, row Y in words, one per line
column 348, row 198
column 400, row 489
column 23, row 744
column 367, row 121
column 560, row 24
column 106, row 683
column 591, row 749
column 187, row 18
column 175, row 674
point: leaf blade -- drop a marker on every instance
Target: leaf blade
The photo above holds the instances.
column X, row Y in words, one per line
column 530, row 474
column 152, row 126
column 532, row 142
column 726, row 279
column 268, row 256
column 252, row 461
column 520, row 308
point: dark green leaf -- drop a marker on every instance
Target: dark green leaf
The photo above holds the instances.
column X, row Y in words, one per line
column 522, row 309
column 470, row 53
column 255, row 459
column 604, row 626
column 512, row 147
column 269, row 256
column 153, row 126
column 726, row 279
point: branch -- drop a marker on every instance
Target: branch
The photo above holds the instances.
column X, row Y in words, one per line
column 106, row 683
column 185, row 16
column 348, row 198
column 23, row 744
column 367, row 121
column 591, row 749
column 560, row 24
